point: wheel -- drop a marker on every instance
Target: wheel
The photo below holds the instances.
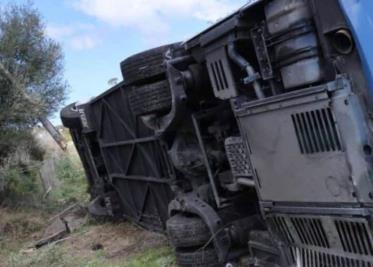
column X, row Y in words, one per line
column 145, row 66
column 70, row 117
column 202, row 257
column 151, row 98
column 187, row 231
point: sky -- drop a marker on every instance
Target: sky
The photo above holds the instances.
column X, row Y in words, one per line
column 96, row 35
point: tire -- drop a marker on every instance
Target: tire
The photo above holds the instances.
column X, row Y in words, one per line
column 70, row 117
column 150, row 98
column 203, row 257
column 184, row 231
column 145, row 66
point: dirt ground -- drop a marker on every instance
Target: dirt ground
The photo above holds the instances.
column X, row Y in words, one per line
column 94, row 244
column 118, row 242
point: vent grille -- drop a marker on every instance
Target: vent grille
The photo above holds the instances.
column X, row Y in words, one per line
column 355, row 237
column 316, row 131
column 218, row 75
column 310, row 231
column 311, row 258
column 309, row 240
column 282, row 228
column 237, row 157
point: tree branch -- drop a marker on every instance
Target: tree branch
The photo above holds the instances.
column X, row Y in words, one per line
column 18, row 87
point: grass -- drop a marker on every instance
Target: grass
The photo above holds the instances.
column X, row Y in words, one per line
column 51, row 256
column 17, row 225
column 160, row 257
column 19, row 228
column 58, row 256
column 73, row 187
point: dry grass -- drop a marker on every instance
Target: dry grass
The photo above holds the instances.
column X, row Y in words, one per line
column 120, row 244
column 18, row 228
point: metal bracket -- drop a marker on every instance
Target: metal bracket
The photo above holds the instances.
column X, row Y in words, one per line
column 257, row 37
column 206, row 161
column 252, row 78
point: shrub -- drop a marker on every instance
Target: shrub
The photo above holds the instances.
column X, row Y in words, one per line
column 21, row 184
column 73, row 187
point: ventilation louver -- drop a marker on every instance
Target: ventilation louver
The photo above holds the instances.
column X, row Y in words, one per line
column 355, row 237
column 325, row 241
column 220, row 74
column 313, row 258
column 316, row 131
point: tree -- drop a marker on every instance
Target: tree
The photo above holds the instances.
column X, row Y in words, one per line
column 31, row 74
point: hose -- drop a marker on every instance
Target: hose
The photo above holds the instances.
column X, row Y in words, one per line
column 245, row 65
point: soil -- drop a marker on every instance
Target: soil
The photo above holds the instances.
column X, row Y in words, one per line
column 118, row 241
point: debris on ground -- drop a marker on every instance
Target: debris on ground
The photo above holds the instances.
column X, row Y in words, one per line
column 64, row 224
column 94, row 243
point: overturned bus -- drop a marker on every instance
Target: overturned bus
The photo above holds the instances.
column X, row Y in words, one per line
column 250, row 142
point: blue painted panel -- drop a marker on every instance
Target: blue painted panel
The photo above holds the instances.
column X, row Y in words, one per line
column 359, row 14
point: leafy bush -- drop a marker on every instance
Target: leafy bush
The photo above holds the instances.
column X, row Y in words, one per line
column 20, row 160
column 22, row 184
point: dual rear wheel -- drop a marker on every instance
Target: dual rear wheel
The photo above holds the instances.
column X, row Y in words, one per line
column 191, row 238
column 150, row 94
column 145, row 72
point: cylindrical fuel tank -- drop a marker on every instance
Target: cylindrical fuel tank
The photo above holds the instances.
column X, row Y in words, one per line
column 282, row 15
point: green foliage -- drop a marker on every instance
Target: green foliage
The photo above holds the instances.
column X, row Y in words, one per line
column 73, row 187
column 21, row 180
column 31, row 75
column 19, row 175
column 21, row 184
column 34, row 60
column 12, row 140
